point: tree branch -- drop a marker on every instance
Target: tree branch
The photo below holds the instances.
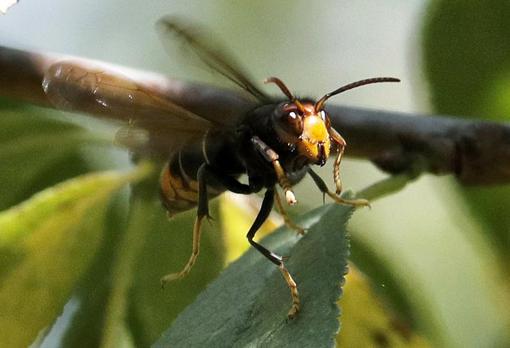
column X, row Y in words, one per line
column 476, row 152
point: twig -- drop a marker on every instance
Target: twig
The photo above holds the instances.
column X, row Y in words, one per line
column 476, row 152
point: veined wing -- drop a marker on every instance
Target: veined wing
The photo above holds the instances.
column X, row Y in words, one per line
column 211, row 53
column 153, row 123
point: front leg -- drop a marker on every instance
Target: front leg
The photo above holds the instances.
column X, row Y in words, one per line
column 271, row 156
column 341, row 143
column 278, row 260
column 286, row 218
column 325, row 191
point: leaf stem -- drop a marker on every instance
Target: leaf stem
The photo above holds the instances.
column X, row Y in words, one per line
column 393, row 183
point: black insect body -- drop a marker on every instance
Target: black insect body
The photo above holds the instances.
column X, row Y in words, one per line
column 275, row 144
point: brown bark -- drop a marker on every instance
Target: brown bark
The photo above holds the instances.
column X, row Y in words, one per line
column 476, row 152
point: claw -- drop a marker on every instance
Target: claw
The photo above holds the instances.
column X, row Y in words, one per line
column 353, row 202
column 301, row 231
column 170, row 278
column 293, row 311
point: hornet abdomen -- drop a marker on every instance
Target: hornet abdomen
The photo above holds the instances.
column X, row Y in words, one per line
column 178, row 179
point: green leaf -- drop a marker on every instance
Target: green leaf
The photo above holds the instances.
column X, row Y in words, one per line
column 41, row 148
column 46, row 243
column 247, row 305
column 85, row 326
column 122, row 272
column 37, row 151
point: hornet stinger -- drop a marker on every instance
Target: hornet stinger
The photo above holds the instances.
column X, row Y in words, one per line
column 274, row 144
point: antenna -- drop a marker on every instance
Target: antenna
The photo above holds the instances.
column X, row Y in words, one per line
column 320, row 103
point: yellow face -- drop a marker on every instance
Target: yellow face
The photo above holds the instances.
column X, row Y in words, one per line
column 314, row 142
column 300, row 124
column 306, row 125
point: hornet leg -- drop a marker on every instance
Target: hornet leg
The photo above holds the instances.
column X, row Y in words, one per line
column 286, row 218
column 271, row 156
column 340, row 141
column 265, row 209
column 204, row 174
column 325, row 191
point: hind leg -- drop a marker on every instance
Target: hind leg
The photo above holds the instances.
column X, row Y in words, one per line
column 204, row 175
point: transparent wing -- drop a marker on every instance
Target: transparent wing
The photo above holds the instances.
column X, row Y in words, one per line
column 210, row 52
column 152, row 123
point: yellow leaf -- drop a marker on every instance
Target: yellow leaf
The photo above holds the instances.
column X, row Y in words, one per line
column 366, row 322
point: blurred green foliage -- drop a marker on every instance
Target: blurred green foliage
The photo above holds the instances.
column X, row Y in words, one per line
column 375, row 325
column 46, row 244
column 466, row 55
column 39, row 151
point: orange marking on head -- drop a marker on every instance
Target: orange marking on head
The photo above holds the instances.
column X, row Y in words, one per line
column 309, row 108
column 315, row 143
column 315, row 129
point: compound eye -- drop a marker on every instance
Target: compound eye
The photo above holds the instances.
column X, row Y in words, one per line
column 293, row 122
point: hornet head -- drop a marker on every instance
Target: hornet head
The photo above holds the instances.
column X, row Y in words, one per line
column 307, row 125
